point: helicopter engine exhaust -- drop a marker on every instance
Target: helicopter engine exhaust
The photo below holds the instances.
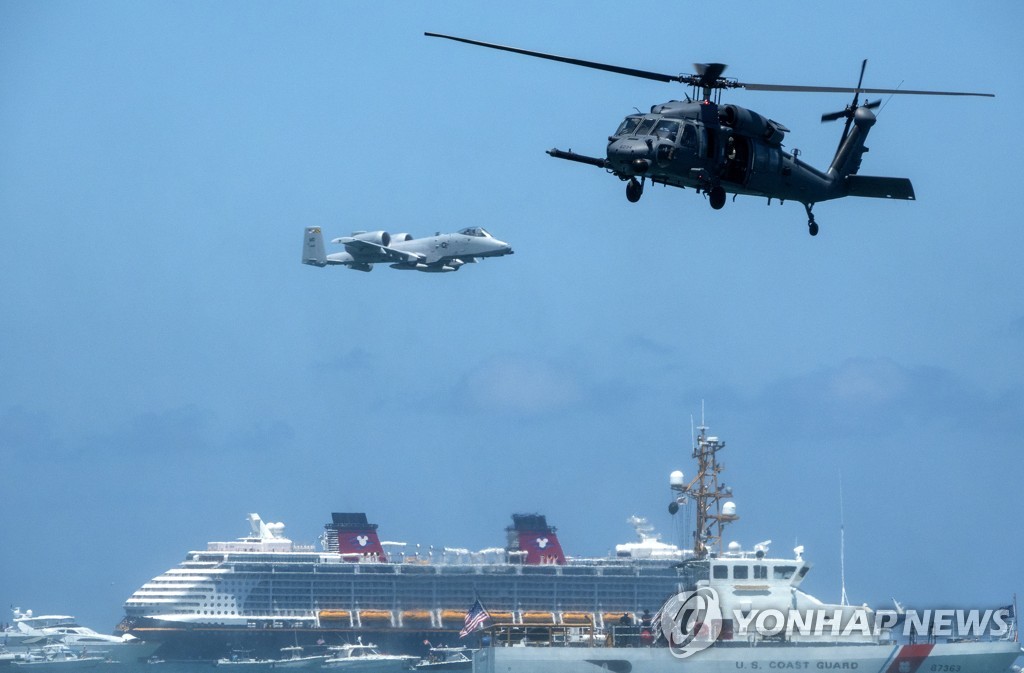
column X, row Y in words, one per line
column 750, row 123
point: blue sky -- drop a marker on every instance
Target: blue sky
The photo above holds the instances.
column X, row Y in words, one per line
column 167, row 365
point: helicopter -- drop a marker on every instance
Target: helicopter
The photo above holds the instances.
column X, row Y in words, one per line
column 721, row 149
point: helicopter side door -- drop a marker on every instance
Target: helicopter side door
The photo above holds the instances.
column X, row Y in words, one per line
column 765, row 168
column 737, row 158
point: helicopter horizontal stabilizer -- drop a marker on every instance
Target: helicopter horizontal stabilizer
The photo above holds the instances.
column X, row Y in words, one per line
column 879, row 188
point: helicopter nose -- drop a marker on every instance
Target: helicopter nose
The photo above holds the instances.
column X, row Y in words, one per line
column 630, row 155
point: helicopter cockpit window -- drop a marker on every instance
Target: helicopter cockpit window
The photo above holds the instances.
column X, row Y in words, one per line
column 689, row 135
column 627, row 126
column 475, row 231
column 645, row 127
column 667, row 129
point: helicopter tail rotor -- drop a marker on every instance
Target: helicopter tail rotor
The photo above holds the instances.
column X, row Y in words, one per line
column 852, row 107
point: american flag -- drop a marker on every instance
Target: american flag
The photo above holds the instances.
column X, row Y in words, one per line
column 474, row 619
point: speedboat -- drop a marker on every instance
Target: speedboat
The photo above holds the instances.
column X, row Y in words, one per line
column 446, row 659
column 360, row 658
column 57, row 657
column 292, row 657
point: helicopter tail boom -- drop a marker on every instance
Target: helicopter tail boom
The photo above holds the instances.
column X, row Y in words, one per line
column 879, row 188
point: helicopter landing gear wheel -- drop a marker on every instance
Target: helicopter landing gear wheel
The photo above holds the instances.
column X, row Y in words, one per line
column 717, row 197
column 812, row 226
column 634, row 190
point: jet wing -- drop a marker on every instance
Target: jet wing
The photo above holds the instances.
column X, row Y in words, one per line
column 366, row 249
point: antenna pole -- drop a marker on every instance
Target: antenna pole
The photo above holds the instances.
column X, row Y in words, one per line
column 842, row 544
column 707, row 494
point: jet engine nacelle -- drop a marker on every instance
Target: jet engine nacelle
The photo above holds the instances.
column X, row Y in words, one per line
column 399, row 238
column 378, row 237
column 750, row 123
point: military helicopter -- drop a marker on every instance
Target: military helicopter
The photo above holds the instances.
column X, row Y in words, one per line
column 727, row 149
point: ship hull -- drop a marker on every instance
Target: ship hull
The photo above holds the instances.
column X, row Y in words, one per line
column 207, row 643
column 967, row 657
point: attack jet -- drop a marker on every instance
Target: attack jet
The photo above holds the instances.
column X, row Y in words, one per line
column 439, row 253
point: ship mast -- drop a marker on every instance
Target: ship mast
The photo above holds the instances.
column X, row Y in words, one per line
column 707, row 494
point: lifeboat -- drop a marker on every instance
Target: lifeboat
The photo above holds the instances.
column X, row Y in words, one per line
column 335, row 614
column 612, row 618
column 416, row 615
column 577, row 618
column 538, row 618
column 503, row 617
column 375, row 615
column 458, row 615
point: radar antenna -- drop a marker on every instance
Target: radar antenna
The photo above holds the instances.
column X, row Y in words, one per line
column 707, row 494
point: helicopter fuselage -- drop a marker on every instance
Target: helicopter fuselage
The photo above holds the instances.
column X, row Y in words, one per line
column 699, row 145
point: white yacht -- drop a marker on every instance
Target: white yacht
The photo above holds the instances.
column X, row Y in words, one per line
column 33, row 631
column 360, row 658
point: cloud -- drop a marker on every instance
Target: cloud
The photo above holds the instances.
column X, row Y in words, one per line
column 519, row 385
column 874, row 396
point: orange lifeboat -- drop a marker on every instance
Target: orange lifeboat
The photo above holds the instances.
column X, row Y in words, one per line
column 577, row 618
column 375, row 615
column 416, row 615
column 538, row 618
column 502, row 617
column 612, row 618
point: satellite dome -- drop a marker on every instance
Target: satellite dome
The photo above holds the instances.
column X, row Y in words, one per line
column 729, row 508
column 676, row 478
column 734, row 546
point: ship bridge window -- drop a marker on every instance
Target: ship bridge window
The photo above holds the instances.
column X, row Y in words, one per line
column 627, row 126
column 760, row 572
column 803, row 571
column 720, row 572
column 783, row 572
column 740, row 572
column 667, row 129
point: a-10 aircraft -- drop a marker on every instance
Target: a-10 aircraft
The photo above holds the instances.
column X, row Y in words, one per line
column 439, row 253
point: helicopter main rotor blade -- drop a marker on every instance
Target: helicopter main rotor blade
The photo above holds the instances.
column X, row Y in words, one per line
column 709, row 79
column 632, row 72
column 846, row 89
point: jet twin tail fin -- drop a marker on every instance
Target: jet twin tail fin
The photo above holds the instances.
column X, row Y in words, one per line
column 313, row 247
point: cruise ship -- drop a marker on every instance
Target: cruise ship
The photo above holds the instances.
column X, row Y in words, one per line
column 712, row 608
column 263, row 592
